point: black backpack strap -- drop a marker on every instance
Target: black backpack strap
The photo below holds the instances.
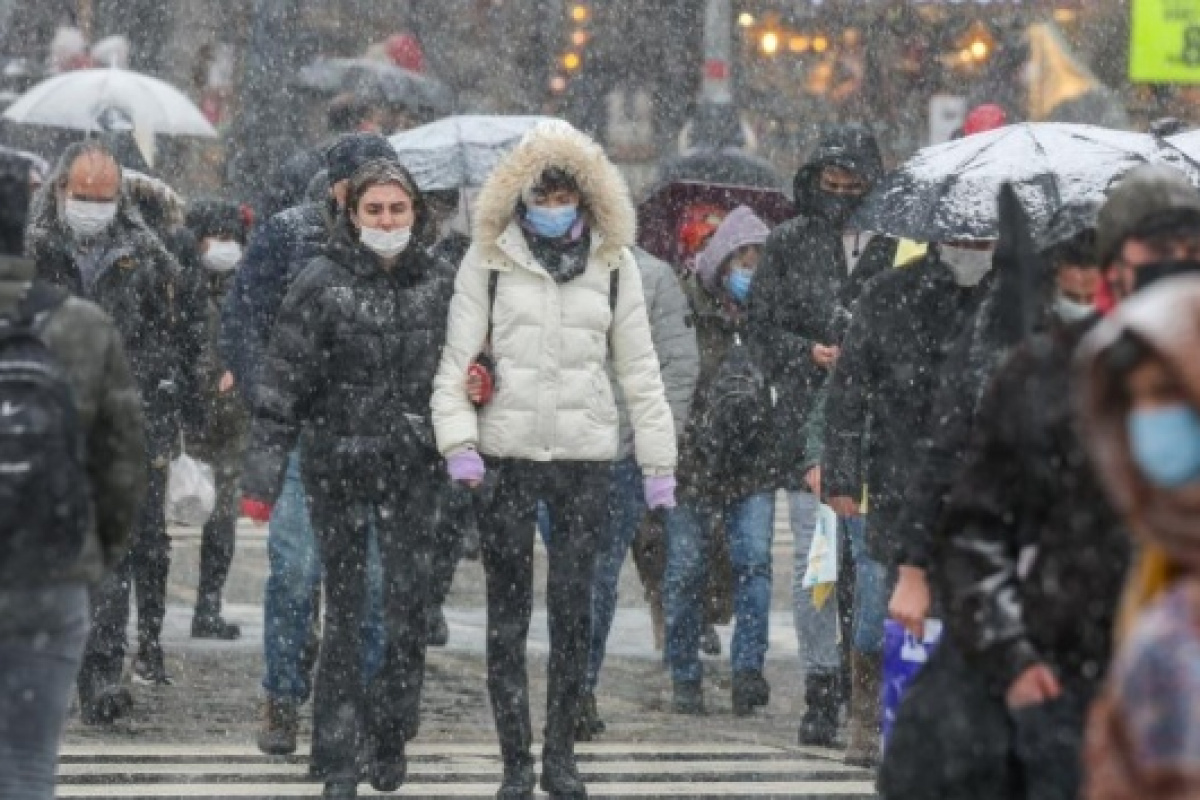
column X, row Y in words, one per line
column 493, row 284
column 614, row 289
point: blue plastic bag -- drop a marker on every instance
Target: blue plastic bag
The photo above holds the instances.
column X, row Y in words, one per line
column 903, row 657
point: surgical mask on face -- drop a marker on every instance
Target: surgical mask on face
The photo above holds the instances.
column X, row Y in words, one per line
column 87, row 217
column 222, row 256
column 387, row 244
column 1165, row 443
column 551, row 223
column 1147, row 274
column 1069, row 310
column 968, row 266
column 738, row 283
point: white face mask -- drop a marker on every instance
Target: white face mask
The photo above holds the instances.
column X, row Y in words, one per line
column 222, row 256
column 88, row 218
column 1069, row 310
column 387, row 244
column 967, row 266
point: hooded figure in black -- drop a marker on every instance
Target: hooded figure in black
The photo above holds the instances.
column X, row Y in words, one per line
column 349, row 374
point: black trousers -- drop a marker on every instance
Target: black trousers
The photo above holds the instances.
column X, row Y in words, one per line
column 219, row 534
column 576, row 494
column 386, row 714
column 455, row 513
column 144, row 569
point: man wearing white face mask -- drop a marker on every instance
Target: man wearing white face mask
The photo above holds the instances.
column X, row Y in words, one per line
column 218, row 436
column 86, row 236
column 880, row 398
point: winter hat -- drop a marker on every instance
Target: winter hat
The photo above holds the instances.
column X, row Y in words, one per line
column 740, row 228
column 1165, row 318
column 987, row 117
column 1148, row 193
column 217, row 218
column 347, row 154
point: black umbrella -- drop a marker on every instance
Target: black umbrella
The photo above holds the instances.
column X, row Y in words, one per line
column 363, row 76
column 949, row 191
column 724, row 166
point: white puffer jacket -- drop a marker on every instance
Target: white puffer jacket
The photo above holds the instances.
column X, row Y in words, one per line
column 553, row 400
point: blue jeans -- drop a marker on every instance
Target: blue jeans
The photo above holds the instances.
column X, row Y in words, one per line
column 42, row 636
column 294, row 579
column 871, row 591
column 749, row 523
column 816, row 628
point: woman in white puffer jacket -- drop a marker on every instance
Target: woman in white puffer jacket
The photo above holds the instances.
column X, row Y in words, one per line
column 551, row 281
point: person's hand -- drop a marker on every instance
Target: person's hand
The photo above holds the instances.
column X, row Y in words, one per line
column 910, row 601
column 475, row 387
column 825, row 355
column 259, row 511
column 812, row 479
column 660, row 491
column 467, row 468
column 226, row 384
column 1034, row 686
column 843, row 506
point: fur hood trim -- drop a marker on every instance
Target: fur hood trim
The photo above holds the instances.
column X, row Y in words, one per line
column 555, row 143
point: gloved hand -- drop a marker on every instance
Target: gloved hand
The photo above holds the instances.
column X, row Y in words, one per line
column 660, row 491
column 466, row 467
column 257, row 510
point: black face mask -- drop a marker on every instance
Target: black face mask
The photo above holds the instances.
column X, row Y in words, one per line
column 1149, row 274
column 836, row 208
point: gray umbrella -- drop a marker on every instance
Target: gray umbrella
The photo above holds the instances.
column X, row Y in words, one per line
column 364, row 76
column 459, row 152
column 949, row 191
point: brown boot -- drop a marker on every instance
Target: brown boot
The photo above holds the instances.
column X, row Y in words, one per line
column 281, row 724
column 863, row 747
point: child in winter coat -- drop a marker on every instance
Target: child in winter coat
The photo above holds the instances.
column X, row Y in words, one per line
column 1141, row 409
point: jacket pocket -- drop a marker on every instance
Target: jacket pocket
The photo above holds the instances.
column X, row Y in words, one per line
column 600, row 401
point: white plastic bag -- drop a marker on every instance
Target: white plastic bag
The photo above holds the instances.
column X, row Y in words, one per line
column 823, row 554
column 191, row 492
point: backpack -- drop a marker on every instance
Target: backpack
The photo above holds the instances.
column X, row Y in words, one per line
column 45, row 505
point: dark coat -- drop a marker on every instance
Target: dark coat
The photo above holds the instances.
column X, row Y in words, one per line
column 87, row 345
column 350, row 371
column 278, row 252
column 225, row 417
column 1028, row 484
column 883, row 387
column 138, row 284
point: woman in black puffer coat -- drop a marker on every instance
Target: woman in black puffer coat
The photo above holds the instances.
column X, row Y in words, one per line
column 349, row 374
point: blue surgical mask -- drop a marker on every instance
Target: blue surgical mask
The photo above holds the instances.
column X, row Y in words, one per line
column 738, row 284
column 1166, row 444
column 551, row 223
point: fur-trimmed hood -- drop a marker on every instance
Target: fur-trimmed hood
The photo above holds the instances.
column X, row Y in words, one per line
column 557, row 144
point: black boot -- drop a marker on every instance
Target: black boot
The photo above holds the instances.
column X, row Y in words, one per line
column 750, row 691
column 149, row 667
column 710, row 641
column 387, row 765
column 819, row 726
column 519, row 782
column 207, row 623
column 106, row 705
column 340, row 790
column 689, row 698
column 439, row 631
column 589, row 724
column 560, row 777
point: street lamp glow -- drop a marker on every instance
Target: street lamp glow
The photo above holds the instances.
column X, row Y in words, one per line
column 745, row 20
column 799, row 44
column 579, row 13
column 820, row 44
column 579, row 38
column 571, row 61
column 770, row 43
column 558, row 84
column 979, row 49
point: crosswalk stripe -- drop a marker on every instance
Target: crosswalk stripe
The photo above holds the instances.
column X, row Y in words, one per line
column 799, row 790
column 101, row 750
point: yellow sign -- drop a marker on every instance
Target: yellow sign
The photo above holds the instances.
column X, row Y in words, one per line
column 1165, row 42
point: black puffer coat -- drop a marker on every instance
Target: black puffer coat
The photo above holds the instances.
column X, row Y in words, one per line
column 1028, row 484
column 884, row 385
column 350, row 371
column 139, row 284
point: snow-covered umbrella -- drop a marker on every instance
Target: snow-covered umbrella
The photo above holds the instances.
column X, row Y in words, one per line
column 949, row 191
column 364, row 76
column 89, row 100
column 1187, row 143
column 459, row 152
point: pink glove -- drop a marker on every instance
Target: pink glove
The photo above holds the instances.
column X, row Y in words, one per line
column 466, row 466
column 660, row 492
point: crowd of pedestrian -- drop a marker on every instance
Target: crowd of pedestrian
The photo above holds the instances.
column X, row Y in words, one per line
column 380, row 388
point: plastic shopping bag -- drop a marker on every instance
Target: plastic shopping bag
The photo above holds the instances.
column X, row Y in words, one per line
column 823, row 554
column 903, row 657
column 191, row 492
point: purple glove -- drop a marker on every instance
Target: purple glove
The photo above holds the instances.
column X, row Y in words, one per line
column 465, row 466
column 660, row 492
